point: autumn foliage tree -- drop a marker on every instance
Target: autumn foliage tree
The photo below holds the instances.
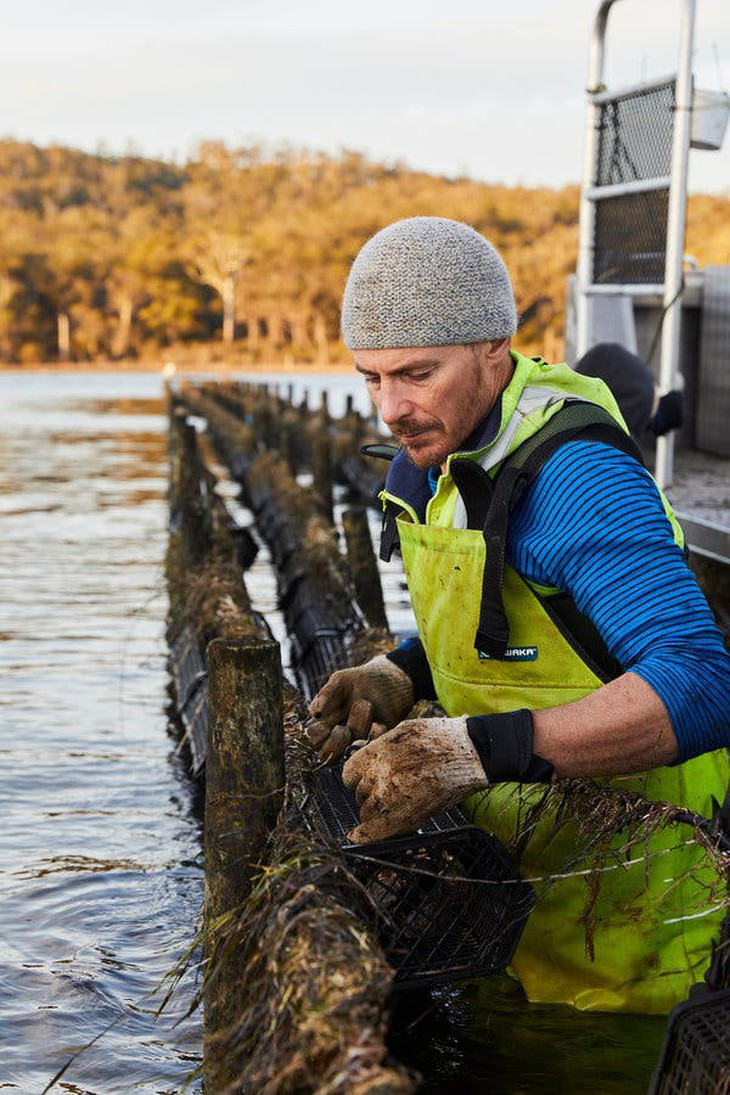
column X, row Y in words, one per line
column 241, row 255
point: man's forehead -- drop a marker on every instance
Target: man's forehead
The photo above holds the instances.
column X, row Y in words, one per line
column 402, row 359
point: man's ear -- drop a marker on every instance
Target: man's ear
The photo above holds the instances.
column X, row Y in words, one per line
column 495, row 350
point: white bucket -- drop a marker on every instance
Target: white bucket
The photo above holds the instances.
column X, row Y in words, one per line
column 710, row 113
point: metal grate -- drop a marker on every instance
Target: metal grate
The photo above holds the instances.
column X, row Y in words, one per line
column 696, row 1055
column 449, row 901
column 630, row 238
column 635, row 135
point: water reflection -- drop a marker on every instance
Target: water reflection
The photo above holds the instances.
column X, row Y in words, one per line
column 484, row 1036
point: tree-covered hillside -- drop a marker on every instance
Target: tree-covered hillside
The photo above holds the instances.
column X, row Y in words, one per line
column 242, row 256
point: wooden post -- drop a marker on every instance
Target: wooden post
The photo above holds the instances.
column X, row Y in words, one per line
column 261, row 418
column 288, row 446
column 356, row 426
column 364, row 567
column 189, row 510
column 322, row 471
column 177, row 430
column 244, row 784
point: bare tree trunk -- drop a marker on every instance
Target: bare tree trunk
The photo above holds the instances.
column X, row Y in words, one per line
column 229, row 309
column 252, row 329
column 120, row 343
column 320, row 339
column 63, row 324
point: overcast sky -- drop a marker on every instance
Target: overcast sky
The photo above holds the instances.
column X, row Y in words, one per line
column 493, row 89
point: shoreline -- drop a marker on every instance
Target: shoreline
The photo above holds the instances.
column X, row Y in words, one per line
column 182, row 369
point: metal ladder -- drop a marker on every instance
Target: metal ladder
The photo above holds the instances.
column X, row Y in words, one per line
column 633, row 202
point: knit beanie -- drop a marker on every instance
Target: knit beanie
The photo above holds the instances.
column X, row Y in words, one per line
column 427, row 281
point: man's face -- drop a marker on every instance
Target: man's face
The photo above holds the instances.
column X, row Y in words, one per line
column 433, row 397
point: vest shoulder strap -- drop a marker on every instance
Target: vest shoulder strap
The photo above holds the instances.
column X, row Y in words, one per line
column 389, row 538
column 576, row 420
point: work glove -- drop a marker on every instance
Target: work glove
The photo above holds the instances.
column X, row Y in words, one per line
column 669, row 413
column 420, row 768
column 424, row 766
column 358, row 703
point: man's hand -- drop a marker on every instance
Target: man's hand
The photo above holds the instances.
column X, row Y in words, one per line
column 386, row 693
column 420, row 768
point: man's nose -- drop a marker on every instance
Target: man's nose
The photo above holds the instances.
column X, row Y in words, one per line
column 393, row 403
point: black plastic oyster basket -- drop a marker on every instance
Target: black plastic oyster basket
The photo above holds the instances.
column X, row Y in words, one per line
column 695, row 1059
column 449, row 900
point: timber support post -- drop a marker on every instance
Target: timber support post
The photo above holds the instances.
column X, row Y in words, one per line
column 363, row 567
column 190, row 505
column 243, row 796
column 322, row 471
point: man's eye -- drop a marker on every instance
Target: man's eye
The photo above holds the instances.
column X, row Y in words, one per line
column 371, row 379
column 424, row 375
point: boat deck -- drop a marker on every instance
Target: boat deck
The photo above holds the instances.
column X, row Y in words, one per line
column 700, row 494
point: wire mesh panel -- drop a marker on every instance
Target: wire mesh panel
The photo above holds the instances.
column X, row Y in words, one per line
column 635, row 135
column 449, row 901
column 630, row 238
column 635, row 138
column 696, row 1055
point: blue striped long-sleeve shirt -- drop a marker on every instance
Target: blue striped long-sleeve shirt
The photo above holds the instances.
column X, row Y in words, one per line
column 592, row 524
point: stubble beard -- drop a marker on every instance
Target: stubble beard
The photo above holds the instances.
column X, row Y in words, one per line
column 426, row 454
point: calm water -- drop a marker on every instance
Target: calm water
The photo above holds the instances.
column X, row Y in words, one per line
column 100, row 861
column 100, row 858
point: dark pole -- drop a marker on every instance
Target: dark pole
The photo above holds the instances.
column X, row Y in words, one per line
column 244, row 784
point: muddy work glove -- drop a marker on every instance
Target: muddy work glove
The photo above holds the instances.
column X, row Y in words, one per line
column 358, row 703
column 424, row 766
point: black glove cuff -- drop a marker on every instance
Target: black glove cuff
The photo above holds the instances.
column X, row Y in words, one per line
column 411, row 658
column 504, row 743
column 669, row 414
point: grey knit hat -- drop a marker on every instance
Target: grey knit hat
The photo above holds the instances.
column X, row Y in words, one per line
column 427, row 281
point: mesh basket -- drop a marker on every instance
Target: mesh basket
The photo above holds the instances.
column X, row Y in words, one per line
column 187, row 665
column 316, row 658
column 190, row 678
column 695, row 1059
column 319, row 625
column 449, row 902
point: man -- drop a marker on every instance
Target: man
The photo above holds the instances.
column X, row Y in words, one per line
column 559, row 626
